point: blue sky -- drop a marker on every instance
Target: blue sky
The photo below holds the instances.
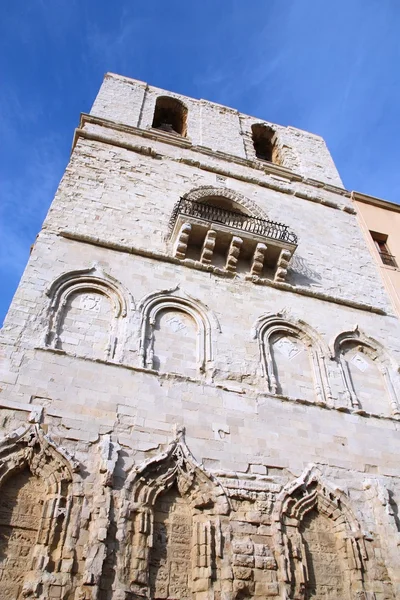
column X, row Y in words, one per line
column 327, row 66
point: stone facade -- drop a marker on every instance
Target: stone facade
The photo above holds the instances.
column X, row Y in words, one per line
column 200, row 390
column 380, row 222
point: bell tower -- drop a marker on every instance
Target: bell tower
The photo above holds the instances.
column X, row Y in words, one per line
column 199, row 388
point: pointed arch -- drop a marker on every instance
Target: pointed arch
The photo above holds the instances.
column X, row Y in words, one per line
column 176, row 464
column 238, row 201
column 35, row 486
column 277, row 328
column 153, row 305
column 354, row 351
column 30, row 446
column 311, row 498
column 167, row 496
column 91, row 286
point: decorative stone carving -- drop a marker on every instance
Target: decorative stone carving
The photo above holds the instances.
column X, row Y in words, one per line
column 365, row 367
column 96, row 520
column 258, row 260
column 233, row 254
column 154, row 304
column 282, row 265
column 206, row 192
column 36, row 516
column 268, row 328
column 79, row 297
column 208, row 247
column 386, row 525
column 320, row 544
column 181, row 244
column 173, row 505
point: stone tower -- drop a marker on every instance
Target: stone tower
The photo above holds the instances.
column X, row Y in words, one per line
column 200, row 377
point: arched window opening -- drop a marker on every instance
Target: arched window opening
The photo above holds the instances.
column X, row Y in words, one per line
column 264, row 143
column 225, row 203
column 87, row 315
column 21, row 504
column 170, row 115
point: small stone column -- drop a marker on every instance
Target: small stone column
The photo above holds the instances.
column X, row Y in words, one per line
column 233, row 254
column 181, row 244
column 258, row 260
column 282, row 266
column 208, row 247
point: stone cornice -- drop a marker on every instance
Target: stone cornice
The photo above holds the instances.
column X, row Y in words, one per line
column 95, row 241
column 281, row 178
column 384, row 204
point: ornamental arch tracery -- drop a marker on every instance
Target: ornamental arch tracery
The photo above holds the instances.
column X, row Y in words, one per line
column 293, row 359
column 226, row 198
column 369, row 376
column 169, row 527
column 87, row 315
column 319, row 543
column 36, row 513
column 175, row 333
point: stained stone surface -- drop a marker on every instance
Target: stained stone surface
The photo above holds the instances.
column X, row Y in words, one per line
column 211, row 417
column 20, row 512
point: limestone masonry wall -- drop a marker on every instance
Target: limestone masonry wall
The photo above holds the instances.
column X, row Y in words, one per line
column 213, row 126
column 193, row 403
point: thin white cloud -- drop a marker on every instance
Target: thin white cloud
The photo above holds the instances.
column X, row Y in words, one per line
column 117, row 48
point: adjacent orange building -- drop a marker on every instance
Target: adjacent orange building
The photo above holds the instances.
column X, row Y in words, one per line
column 380, row 222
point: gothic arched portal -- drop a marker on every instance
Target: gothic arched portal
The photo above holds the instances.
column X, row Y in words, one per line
column 21, row 504
column 319, row 542
column 170, row 544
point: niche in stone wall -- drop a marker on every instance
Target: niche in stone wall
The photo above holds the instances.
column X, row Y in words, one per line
column 320, row 543
column 292, row 359
column 175, row 334
column 21, row 505
column 292, row 366
column 175, row 342
column 85, row 325
column 170, row 530
column 87, row 315
column 324, row 557
column 170, row 565
column 368, row 374
column 36, row 546
column 366, row 379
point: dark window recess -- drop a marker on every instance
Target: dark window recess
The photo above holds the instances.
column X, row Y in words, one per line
column 380, row 240
column 170, row 115
column 263, row 140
